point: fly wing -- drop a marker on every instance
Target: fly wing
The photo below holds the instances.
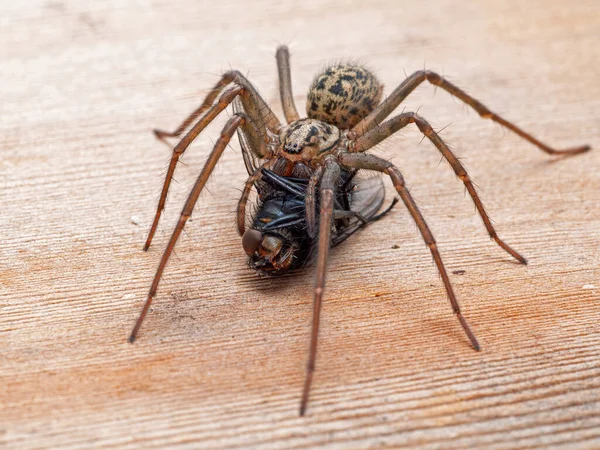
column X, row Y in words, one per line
column 366, row 199
column 250, row 159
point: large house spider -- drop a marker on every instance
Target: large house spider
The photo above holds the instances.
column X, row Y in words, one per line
column 314, row 157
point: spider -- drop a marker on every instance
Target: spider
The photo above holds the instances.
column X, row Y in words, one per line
column 345, row 118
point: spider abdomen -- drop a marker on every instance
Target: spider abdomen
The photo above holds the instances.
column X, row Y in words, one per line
column 343, row 95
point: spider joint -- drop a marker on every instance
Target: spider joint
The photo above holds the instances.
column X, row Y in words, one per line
column 433, row 77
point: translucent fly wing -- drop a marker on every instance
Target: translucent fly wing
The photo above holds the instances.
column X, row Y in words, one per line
column 366, row 199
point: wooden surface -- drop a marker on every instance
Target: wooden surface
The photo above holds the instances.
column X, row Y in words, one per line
column 220, row 360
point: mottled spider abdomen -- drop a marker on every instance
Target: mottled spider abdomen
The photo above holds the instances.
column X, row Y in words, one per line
column 343, row 95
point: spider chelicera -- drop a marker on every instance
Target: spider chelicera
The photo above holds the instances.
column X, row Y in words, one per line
column 314, row 157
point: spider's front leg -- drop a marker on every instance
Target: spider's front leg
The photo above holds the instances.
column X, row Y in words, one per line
column 233, row 76
column 231, row 126
column 260, row 115
column 394, row 124
column 371, row 162
column 311, row 201
column 285, row 84
column 410, row 84
column 240, row 215
column 329, row 182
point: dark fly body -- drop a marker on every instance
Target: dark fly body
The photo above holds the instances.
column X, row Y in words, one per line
column 278, row 239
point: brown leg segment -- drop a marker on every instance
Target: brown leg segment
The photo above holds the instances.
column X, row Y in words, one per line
column 236, row 76
column 182, row 146
column 241, row 207
column 285, row 84
column 261, row 120
column 249, row 128
column 329, row 183
column 371, row 162
column 311, row 202
column 228, row 131
column 407, row 86
column 227, row 78
column 389, row 127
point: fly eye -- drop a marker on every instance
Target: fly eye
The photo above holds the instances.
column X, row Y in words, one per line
column 251, row 241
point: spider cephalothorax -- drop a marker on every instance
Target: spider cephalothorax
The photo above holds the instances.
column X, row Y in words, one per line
column 308, row 166
column 307, row 139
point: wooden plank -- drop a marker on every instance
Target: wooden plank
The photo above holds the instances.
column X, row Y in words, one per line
column 220, row 361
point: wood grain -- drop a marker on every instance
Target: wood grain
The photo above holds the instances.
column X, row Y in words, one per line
column 220, row 361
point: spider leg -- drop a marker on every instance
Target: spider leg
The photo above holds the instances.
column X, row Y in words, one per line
column 386, row 107
column 232, row 76
column 241, row 206
column 331, row 175
column 182, row 146
column 394, row 124
column 248, row 127
column 210, row 98
column 372, row 162
column 311, row 201
column 285, row 84
column 345, row 214
column 347, row 183
column 230, row 127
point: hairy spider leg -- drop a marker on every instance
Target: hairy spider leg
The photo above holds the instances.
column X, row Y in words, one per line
column 329, row 181
column 261, row 108
column 372, row 162
column 250, row 127
column 398, row 122
column 311, row 201
column 240, row 214
column 228, row 130
column 285, row 84
column 386, row 107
